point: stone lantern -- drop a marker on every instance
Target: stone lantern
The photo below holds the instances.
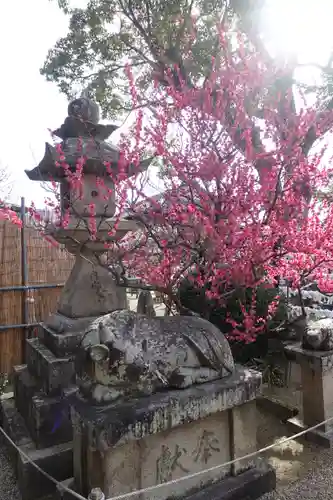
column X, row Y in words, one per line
column 42, row 386
column 90, row 290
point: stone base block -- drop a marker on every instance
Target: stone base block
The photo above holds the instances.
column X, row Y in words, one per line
column 56, row 460
column 53, row 372
column 319, row 436
column 148, row 441
column 47, row 418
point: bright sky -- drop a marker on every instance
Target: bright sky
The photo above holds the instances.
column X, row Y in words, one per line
column 31, row 106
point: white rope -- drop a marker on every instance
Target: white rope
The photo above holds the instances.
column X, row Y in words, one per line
column 216, row 467
column 173, row 481
column 28, row 459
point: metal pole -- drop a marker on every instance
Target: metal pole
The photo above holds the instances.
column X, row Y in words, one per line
column 17, row 288
column 24, row 269
column 21, row 325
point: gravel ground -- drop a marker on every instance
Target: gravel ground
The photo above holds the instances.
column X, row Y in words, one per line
column 317, row 483
column 304, row 471
column 8, row 484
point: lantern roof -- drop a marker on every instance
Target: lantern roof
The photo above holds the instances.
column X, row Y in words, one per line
column 83, row 142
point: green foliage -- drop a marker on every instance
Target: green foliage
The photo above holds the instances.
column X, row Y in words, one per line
column 244, row 352
column 105, row 35
column 195, row 299
column 324, row 90
column 108, row 34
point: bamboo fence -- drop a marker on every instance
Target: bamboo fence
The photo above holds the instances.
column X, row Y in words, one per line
column 46, row 264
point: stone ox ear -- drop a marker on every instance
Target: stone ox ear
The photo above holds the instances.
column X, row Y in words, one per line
column 99, row 353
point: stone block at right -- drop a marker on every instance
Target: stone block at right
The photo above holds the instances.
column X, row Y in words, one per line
column 317, row 394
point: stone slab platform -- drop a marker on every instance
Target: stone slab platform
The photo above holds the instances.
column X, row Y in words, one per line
column 120, row 422
column 55, row 460
column 318, row 436
column 248, row 485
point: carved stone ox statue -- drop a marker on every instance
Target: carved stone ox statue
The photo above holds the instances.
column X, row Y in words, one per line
column 129, row 353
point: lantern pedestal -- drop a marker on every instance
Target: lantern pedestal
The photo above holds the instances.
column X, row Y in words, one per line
column 90, row 290
column 40, row 415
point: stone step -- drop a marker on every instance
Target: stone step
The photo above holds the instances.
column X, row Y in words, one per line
column 57, row 461
column 41, row 412
column 13, row 424
column 54, row 373
column 66, row 342
column 25, row 386
column 62, row 344
column 51, row 420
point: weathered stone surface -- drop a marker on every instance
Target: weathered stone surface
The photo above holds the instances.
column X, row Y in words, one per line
column 53, row 372
column 121, row 421
column 135, row 354
column 319, row 361
column 25, row 387
column 65, row 336
column 51, row 422
column 243, row 438
column 47, row 418
column 195, row 446
column 311, row 298
column 14, row 425
column 57, row 460
column 152, row 440
column 90, row 289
